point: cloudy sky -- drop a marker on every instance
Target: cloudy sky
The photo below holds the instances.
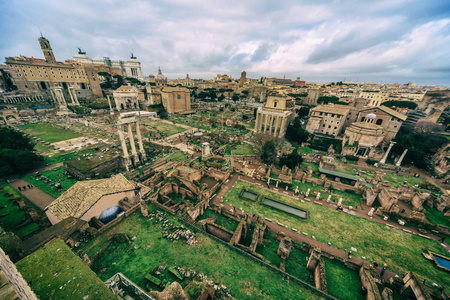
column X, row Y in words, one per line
column 391, row 41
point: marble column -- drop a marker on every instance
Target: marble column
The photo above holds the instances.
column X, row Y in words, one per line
column 383, row 160
column 133, row 146
column 124, row 147
column 141, row 145
column 401, row 158
column 110, row 106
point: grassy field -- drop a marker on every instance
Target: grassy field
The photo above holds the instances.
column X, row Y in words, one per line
column 314, row 167
column 243, row 276
column 16, row 216
column 242, row 149
column 342, row 282
column 176, row 155
column 55, row 272
column 436, row 217
column 48, row 133
column 397, row 180
column 55, row 175
column 165, row 128
column 402, row 252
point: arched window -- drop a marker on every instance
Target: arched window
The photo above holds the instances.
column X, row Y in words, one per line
column 363, row 119
column 379, row 121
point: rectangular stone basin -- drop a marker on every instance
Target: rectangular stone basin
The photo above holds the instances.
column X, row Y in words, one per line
column 285, row 208
column 249, row 195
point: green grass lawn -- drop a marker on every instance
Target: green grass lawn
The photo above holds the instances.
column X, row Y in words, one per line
column 176, row 155
column 221, row 220
column 342, row 282
column 56, row 272
column 12, row 222
column 436, row 217
column 305, row 150
column 314, row 167
column 56, row 175
column 244, row 277
column 402, row 252
column 48, row 133
column 242, row 149
column 296, row 266
column 397, row 180
column 165, row 128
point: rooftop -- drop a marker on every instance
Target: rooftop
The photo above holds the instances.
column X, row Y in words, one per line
column 333, row 109
column 77, row 200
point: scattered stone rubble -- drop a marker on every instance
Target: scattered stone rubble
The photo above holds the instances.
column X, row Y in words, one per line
column 172, row 232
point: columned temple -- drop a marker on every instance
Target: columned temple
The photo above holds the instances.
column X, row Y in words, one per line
column 276, row 114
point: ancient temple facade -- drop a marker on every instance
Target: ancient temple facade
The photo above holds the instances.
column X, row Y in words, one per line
column 276, row 114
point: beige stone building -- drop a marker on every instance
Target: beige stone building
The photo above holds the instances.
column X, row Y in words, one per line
column 328, row 119
column 126, row 97
column 34, row 76
column 176, row 100
column 276, row 114
column 88, row 199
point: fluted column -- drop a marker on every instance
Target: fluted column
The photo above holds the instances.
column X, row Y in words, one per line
column 110, row 106
column 133, row 146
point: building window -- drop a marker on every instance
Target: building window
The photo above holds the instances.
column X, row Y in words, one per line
column 178, row 96
column 379, row 121
column 329, row 126
column 321, row 113
column 326, row 114
column 332, row 115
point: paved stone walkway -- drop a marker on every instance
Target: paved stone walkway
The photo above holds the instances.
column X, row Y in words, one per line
column 35, row 195
column 302, row 238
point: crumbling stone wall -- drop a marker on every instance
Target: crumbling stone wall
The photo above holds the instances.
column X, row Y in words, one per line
column 219, row 231
column 369, row 284
column 320, row 277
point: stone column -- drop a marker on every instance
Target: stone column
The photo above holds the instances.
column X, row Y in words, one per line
column 133, row 146
column 74, row 95
column 110, row 106
column 266, row 123
column 71, row 96
column 383, row 160
column 258, row 122
column 141, row 145
column 283, row 126
column 124, row 147
column 271, row 124
column 401, row 158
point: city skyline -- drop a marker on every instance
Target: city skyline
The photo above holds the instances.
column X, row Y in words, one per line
column 394, row 41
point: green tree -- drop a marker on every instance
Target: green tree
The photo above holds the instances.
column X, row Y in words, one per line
column 291, row 160
column 16, row 153
column 403, row 104
column 295, row 133
column 221, row 97
column 303, row 111
column 235, row 97
column 162, row 113
column 269, row 153
column 212, row 94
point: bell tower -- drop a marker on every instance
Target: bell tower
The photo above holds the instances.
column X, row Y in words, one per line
column 47, row 50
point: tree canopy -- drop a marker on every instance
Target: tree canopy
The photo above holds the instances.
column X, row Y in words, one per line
column 269, row 153
column 291, row 160
column 16, row 153
column 330, row 99
column 398, row 103
column 295, row 133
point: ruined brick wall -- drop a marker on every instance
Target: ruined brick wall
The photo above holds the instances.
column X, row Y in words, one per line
column 217, row 175
column 419, row 290
column 369, row 283
column 320, row 277
column 219, row 231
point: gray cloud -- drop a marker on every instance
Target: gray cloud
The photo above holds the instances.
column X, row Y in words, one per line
column 322, row 40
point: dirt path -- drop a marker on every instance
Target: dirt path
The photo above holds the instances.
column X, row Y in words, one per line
column 35, row 195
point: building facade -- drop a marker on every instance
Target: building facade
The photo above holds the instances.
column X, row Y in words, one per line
column 176, row 99
column 34, row 76
column 327, row 119
column 130, row 68
column 276, row 114
column 126, row 98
